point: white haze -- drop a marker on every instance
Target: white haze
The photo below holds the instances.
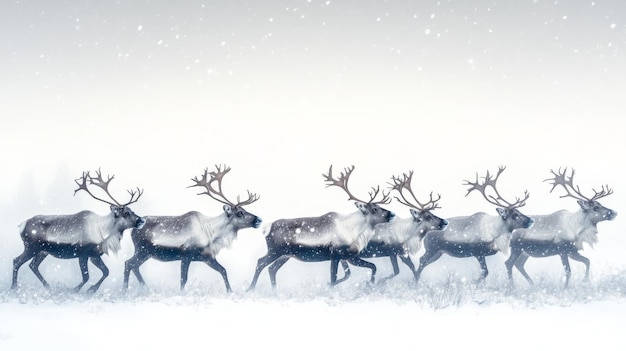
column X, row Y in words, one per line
column 155, row 92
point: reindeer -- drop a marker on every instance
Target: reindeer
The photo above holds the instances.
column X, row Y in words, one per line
column 480, row 234
column 403, row 237
column 192, row 236
column 84, row 235
column 330, row 237
column 563, row 232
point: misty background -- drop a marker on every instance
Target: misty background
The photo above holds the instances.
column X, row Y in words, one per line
column 155, row 91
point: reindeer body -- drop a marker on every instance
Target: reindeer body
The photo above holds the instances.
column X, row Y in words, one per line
column 187, row 238
column 561, row 233
column 84, row 235
column 192, row 229
column 330, row 237
column 481, row 228
column 79, row 229
column 330, row 230
column 402, row 238
column 192, row 236
column 565, row 226
column 479, row 235
column 315, row 239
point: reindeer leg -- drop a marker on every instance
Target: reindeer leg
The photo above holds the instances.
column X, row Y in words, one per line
column 394, row 264
column 84, row 271
column 346, row 272
column 262, row 263
column 334, row 263
column 357, row 261
column 221, row 270
column 184, row 272
column 483, row 268
column 427, row 258
column 18, row 262
column 34, row 266
column 568, row 269
column 132, row 264
column 406, row 259
column 576, row 256
column 510, row 262
column 274, row 267
column 97, row 261
column 519, row 264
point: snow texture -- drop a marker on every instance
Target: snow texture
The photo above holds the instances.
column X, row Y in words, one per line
column 155, row 91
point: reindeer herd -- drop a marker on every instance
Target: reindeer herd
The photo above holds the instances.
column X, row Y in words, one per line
column 370, row 231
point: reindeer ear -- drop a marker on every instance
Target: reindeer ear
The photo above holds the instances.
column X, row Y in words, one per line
column 115, row 210
column 228, row 210
column 583, row 204
column 361, row 206
column 502, row 212
column 415, row 214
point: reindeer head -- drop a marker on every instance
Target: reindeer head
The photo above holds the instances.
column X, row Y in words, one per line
column 421, row 212
column 370, row 209
column 508, row 211
column 236, row 214
column 124, row 217
column 589, row 205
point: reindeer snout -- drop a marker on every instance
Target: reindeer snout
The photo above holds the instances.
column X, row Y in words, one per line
column 529, row 223
column 139, row 223
column 257, row 222
column 390, row 216
column 443, row 225
column 611, row 215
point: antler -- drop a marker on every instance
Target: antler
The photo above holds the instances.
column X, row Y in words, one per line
column 567, row 183
column 498, row 200
column 251, row 198
column 405, row 183
column 218, row 194
column 87, row 179
column 342, row 182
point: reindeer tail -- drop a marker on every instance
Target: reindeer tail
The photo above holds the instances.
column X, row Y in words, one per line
column 266, row 229
column 22, row 226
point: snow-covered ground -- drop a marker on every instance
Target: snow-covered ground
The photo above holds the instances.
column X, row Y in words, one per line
column 449, row 314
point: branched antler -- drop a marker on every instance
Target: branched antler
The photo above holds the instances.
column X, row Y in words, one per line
column 498, row 200
column 404, row 183
column 251, row 198
column 342, row 182
column 208, row 178
column 567, row 182
column 86, row 180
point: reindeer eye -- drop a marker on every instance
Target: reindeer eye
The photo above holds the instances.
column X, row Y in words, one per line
column 515, row 217
column 239, row 213
column 374, row 210
column 596, row 207
column 126, row 214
